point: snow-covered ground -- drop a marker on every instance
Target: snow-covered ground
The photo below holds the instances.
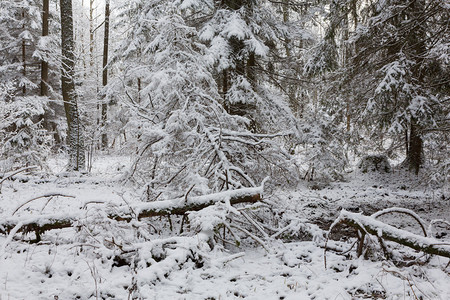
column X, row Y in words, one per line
column 83, row 262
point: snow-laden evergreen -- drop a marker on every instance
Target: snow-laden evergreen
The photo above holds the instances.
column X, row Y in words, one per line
column 189, row 142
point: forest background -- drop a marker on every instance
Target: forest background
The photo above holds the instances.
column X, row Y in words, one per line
column 221, row 104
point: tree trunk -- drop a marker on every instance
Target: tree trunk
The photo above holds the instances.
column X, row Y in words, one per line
column 243, row 66
column 225, row 84
column 105, row 76
column 44, row 64
column 75, row 141
column 415, row 158
column 235, row 43
column 24, row 64
column 47, row 122
column 139, row 90
column 91, row 33
column 285, row 7
column 291, row 88
column 251, row 64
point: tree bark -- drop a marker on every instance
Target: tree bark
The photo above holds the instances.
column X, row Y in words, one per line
column 244, row 65
column 24, row 64
column 417, row 38
column 91, row 33
column 105, row 76
column 75, row 141
column 291, row 88
column 285, row 7
column 44, row 64
column 251, row 64
column 414, row 159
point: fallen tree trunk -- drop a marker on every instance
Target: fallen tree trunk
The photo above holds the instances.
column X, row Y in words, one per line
column 181, row 206
column 372, row 226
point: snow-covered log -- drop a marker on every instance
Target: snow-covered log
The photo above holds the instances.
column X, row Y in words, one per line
column 372, row 226
column 39, row 223
column 181, row 206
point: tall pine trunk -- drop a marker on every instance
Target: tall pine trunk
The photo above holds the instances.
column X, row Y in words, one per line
column 105, row 76
column 75, row 141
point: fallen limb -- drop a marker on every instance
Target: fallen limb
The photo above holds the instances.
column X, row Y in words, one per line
column 369, row 225
column 181, row 206
column 39, row 197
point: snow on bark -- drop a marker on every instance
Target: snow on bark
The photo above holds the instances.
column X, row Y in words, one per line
column 75, row 139
column 181, row 206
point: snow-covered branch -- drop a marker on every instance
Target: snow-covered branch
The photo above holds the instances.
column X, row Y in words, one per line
column 372, row 226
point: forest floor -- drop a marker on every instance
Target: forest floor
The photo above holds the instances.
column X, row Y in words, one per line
column 71, row 263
